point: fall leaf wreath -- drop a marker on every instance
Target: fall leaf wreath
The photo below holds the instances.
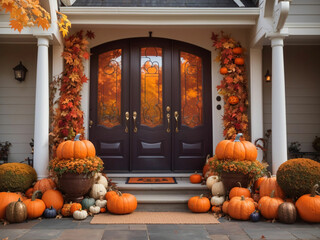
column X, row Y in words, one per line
column 67, row 118
column 233, row 86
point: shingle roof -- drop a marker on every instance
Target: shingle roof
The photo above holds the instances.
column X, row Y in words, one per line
column 162, row 3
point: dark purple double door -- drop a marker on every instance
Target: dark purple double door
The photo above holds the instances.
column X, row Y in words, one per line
column 150, row 105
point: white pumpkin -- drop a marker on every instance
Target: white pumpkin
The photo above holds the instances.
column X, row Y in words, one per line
column 217, row 200
column 80, row 214
column 94, row 209
column 211, row 180
column 99, row 178
column 97, row 190
column 101, row 202
column 218, row 189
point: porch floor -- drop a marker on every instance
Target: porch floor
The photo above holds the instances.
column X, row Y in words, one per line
column 67, row 229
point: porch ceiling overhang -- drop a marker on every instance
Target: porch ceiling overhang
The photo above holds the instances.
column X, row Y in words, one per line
column 146, row 16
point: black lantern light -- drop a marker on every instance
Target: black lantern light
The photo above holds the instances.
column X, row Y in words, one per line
column 267, row 77
column 20, row 72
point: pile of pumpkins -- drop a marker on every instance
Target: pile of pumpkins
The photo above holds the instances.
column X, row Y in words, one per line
column 44, row 200
column 266, row 199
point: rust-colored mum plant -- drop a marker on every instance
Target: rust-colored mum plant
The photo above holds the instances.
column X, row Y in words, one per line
column 254, row 169
column 84, row 165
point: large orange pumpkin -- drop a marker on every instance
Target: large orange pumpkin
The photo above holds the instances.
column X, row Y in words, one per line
column 35, row 207
column 236, row 149
column 237, row 50
column 308, row 206
column 239, row 61
column 268, row 206
column 270, row 184
column 122, row 203
column 199, row 204
column 76, row 149
column 240, row 208
column 5, row 199
column 110, row 195
column 53, row 198
column 44, row 185
column 257, row 183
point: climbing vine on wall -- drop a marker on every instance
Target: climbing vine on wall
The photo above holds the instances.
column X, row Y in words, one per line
column 68, row 116
column 234, row 85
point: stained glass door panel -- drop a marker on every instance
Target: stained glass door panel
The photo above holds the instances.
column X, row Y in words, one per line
column 109, row 88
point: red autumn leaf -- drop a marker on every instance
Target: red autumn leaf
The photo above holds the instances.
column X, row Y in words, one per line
column 86, row 55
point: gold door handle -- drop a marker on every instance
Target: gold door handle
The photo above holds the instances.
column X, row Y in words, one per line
column 134, row 116
column 127, row 122
column 168, row 118
column 176, row 116
column 90, row 123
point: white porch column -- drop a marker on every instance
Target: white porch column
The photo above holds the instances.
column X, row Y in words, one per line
column 41, row 124
column 279, row 125
column 256, row 96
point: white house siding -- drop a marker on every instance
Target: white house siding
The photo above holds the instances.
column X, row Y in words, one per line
column 200, row 36
column 17, row 99
column 302, row 94
column 304, row 11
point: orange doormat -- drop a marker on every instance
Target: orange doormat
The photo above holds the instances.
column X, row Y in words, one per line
column 155, row 218
column 151, row 180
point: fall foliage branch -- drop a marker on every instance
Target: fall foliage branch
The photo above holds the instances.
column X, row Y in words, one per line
column 68, row 116
column 234, row 83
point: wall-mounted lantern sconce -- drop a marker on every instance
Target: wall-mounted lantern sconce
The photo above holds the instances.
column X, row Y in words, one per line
column 267, row 77
column 20, row 72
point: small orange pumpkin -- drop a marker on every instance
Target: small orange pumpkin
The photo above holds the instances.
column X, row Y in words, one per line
column 239, row 191
column 76, row 149
column 308, row 206
column 66, row 210
column 75, row 207
column 35, row 207
column 53, row 198
column 237, row 50
column 233, row 100
column 239, row 61
column 223, row 70
column 122, row 203
column 103, row 210
column 236, row 149
column 216, row 209
column 44, row 185
column 225, row 206
column 199, row 204
column 195, row 178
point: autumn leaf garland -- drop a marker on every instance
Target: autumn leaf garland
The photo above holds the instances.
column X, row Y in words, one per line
column 234, row 83
column 68, row 117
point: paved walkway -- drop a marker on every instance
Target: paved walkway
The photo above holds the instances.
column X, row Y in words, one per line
column 67, row 228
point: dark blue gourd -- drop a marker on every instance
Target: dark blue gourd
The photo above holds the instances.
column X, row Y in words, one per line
column 50, row 212
column 255, row 216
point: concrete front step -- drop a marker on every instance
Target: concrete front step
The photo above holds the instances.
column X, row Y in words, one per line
column 178, row 193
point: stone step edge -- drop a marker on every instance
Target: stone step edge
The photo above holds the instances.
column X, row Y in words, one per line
column 159, row 199
column 162, row 187
column 121, row 175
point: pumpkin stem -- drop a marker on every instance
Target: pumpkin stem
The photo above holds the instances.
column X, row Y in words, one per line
column 237, row 139
column 119, row 193
column 201, row 196
column 242, row 198
column 269, row 175
column 77, row 137
column 207, row 158
column 35, row 195
column 239, row 184
column 272, row 194
column 314, row 190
